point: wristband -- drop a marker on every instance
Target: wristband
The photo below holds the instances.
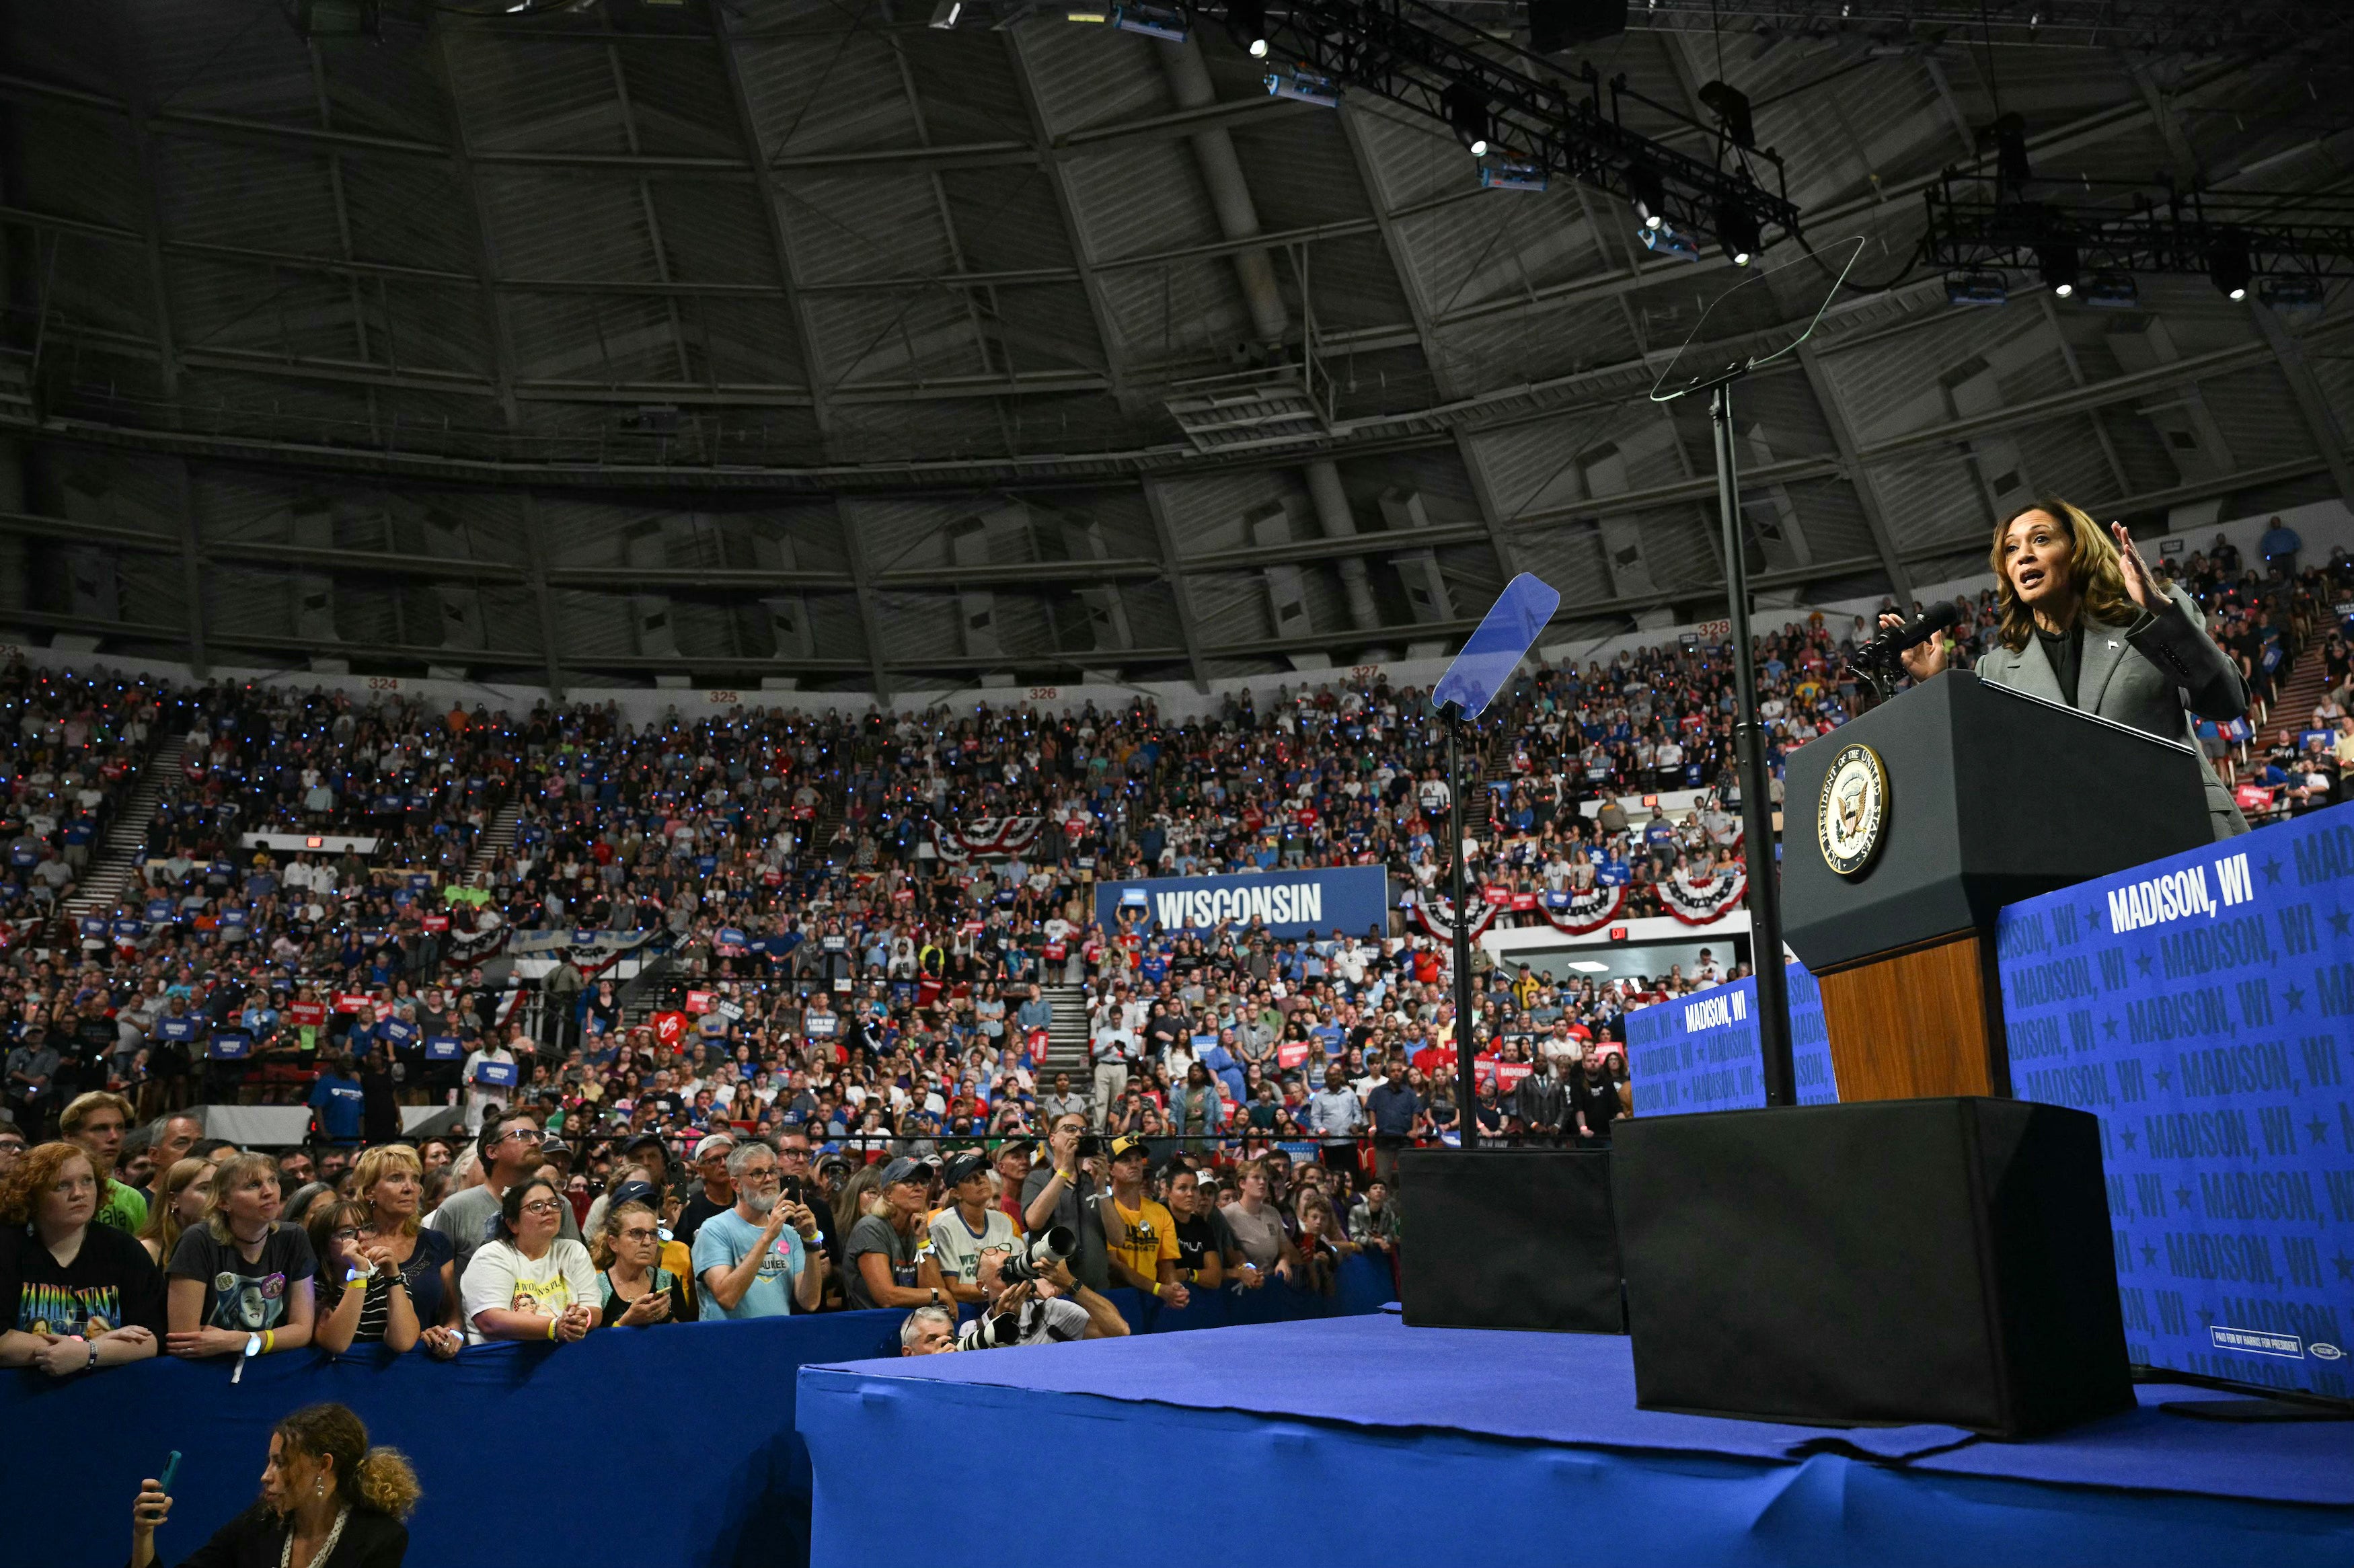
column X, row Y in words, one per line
column 93, row 1365
column 1156, row 1288
column 269, row 1340
column 551, row 1328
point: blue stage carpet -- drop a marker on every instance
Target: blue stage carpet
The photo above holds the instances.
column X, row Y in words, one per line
column 1361, row 1441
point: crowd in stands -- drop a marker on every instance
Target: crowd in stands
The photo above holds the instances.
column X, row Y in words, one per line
column 822, row 1038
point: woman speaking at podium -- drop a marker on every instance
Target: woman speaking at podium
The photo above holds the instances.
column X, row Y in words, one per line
column 2087, row 622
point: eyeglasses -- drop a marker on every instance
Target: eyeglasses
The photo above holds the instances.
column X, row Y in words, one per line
column 542, row 1206
column 639, row 1235
column 793, row 1154
column 522, row 1135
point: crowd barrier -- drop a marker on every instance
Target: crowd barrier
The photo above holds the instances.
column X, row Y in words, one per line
column 659, row 1448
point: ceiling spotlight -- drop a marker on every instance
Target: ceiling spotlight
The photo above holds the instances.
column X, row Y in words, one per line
column 1247, row 25
column 2228, row 265
column 2113, row 292
column 1731, row 107
column 1736, row 230
column 2056, row 264
column 1467, row 110
column 1651, row 194
column 2295, row 298
column 1151, row 21
column 1977, row 288
column 1304, row 86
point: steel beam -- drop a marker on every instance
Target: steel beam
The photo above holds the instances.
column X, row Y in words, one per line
column 1867, row 494
column 1175, row 566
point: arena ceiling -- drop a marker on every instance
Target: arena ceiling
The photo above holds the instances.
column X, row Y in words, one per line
column 722, row 341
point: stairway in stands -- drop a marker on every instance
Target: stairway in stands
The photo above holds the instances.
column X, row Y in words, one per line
column 116, row 865
column 496, row 839
column 1066, row 1037
column 2293, row 709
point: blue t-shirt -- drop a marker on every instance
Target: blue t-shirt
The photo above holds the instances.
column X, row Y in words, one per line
column 723, row 1240
column 337, row 1101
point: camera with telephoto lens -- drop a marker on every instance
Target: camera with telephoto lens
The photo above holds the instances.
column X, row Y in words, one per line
column 1037, row 1260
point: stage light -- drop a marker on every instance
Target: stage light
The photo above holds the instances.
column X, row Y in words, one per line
column 944, row 14
column 1467, row 110
column 1666, row 243
column 1977, row 288
column 1651, row 194
column 2113, row 292
column 1731, row 107
column 1305, row 87
column 2294, row 298
column 1736, row 230
column 1085, row 16
column 2056, row 264
column 2227, row 264
column 1247, row 25
column 1151, row 21
column 1512, row 177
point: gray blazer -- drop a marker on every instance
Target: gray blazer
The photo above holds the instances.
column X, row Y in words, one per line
column 2154, row 675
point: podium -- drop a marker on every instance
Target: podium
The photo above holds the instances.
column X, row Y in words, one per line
column 1908, row 828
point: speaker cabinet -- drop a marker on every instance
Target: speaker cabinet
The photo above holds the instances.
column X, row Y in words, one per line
column 1508, row 1238
column 1886, row 1263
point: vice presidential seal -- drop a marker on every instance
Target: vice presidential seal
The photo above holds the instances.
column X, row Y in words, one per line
column 1854, row 804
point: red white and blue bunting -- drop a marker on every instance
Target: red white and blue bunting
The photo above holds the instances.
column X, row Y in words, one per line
column 984, row 838
column 1576, row 913
column 1703, row 903
column 1436, row 916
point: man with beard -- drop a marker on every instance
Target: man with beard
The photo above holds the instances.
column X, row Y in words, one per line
column 752, row 1260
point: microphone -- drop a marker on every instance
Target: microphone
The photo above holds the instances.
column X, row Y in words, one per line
column 1886, row 647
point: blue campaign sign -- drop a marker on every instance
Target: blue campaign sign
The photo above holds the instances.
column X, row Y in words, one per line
column 495, row 1075
column 443, row 1048
column 229, row 1046
column 2202, row 1006
column 1349, row 898
column 1700, row 1053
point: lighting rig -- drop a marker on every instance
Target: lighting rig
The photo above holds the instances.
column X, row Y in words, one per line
column 1984, row 223
column 1528, row 128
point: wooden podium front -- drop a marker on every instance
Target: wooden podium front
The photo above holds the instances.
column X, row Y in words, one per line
column 1910, row 828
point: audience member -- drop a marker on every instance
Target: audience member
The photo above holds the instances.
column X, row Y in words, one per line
column 530, row 1281
column 240, row 1282
column 753, row 1260
column 75, row 1295
column 326, row 1497
column 389, row 1185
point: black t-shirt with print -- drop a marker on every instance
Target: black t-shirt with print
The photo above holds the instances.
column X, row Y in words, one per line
column 110, row 1285
column 247, row 1297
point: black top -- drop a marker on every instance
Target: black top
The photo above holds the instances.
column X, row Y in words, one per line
column 110, row 1284
column 255, row 1538
column 2066, row 654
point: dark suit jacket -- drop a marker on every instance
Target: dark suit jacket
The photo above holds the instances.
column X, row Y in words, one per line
column 2153, row 674
column 254, row 1539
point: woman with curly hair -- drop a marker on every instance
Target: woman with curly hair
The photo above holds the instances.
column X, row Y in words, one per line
column 328, row 1501
column 2086, row 622
column 74, row 1295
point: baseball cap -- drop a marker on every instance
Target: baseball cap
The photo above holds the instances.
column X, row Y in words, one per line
column 713, row 1145
column 963, row 1167
column 633, row 1193
column 641, row 1140
column 1128, row 1144
column 906, row 1170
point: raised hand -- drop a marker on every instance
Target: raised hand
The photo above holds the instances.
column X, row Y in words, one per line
column 2141, row 584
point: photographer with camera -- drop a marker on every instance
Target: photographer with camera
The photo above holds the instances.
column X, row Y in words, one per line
column 1033, row 1301
column 1062, row 1191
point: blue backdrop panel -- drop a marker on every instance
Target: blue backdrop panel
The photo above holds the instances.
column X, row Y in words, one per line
column 1352, row 898
column 662, row 1448
column 2203, row 1007
column 1702, row 1053
column 1395, row 1486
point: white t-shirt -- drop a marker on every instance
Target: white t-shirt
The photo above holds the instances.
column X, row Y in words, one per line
column 500, row 1279
column 959, row 1250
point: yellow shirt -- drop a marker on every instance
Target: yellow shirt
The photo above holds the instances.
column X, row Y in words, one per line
column 1140, row 1237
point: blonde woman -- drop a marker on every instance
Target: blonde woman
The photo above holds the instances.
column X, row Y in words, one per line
column 404, row 1258
column 241, row 1283
column 180, row 1202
